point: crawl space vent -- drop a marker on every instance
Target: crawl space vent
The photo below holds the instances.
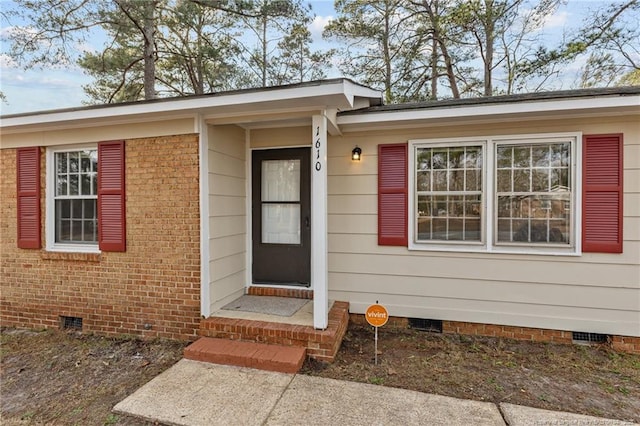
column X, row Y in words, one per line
column 423, row 324
column 71, row 323
column 581, row 337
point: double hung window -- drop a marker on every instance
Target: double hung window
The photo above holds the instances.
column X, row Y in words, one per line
column 497, row 194
column 74, row 200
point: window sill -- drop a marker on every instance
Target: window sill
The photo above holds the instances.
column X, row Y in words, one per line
column 547, row 251
column 61, row 255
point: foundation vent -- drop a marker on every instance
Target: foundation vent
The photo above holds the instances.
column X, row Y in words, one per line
column 582, row 337
column 71, row 323
column 423, row 324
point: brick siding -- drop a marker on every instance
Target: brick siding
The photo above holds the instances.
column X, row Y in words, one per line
column 619, row 343
column 152, row 289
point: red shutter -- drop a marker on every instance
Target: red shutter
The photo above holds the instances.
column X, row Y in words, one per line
column 392, row 195
column 28, row 188
column 111, row 196
column 602, row 193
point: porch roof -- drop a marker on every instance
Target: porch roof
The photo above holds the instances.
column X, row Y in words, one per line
column 335, row 94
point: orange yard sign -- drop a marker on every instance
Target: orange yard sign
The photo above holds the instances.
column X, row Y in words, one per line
column 377, row 315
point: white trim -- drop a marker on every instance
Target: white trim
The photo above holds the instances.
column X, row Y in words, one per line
column 571, row 107
column 340, row 93
column 319, row 250
column 203, row 159
column 50, row 216
column 248, row 169
column 488, row 238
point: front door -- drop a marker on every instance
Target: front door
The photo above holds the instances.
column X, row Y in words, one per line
column 281, row 216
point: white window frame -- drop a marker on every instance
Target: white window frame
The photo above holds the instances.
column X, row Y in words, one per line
column 489, row 195
column 50, row 207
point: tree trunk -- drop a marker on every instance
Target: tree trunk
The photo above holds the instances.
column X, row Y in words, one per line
column 149, row 32
column 264, row 50
column 387, row 60
column 434, row 69
column 489, row 26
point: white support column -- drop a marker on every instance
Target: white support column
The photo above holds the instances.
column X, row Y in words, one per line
column 205, row 278
column 319, row 272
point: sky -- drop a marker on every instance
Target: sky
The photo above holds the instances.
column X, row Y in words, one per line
column 55, row 88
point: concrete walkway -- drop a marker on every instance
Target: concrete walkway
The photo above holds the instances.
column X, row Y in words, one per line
column 198, row 393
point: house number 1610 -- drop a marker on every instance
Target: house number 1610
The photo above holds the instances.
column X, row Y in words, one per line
column 317, row 146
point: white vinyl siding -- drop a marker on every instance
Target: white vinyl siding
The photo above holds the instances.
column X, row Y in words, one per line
column 594, row 292
column 227, row 214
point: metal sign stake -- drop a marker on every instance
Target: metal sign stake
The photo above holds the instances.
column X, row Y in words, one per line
column 376, row 316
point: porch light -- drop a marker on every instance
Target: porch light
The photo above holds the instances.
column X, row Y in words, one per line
column 356, row 153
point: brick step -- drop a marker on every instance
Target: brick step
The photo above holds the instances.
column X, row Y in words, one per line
column 284, row 359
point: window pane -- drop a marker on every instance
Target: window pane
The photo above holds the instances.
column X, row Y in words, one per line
column 537, row 208
column 61, row 185
column 473, row 157
column 472, row 230
column 281, row 223
column 540, row 181
column 73, row 162
column 63, row 231
column 90, row 230
column 439, row 229
column 456, row 158
column 504, row 180
column 560, row 155
column 424, row 181
column 85, row 163
column 504, row 230
column 504, row 157
column 61, row 162
column 63, row 209
column 281, row 180
column 559, row 180
column 473, row 180
column 423, row 162
column 73, row 185
column 76, row 209
column 521, row 156
column 456, row 180
column 452, row 177
column 439, row 159
column 521, row 181
column 439, row 180
column 456, row 229
column 540, row 156
column 86, row 185
column 89, row 209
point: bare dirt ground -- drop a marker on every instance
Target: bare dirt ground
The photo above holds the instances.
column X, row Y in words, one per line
column 54, row 377
column 588, row 380
column 61, row 378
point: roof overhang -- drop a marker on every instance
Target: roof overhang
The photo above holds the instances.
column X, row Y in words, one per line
column 231, row 107
column 446, row 114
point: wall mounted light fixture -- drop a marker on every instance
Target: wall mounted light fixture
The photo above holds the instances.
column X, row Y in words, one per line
column 356, row 153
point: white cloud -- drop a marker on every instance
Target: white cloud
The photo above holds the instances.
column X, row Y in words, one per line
column 557, row 20
column 7, row 62
column 318, row 25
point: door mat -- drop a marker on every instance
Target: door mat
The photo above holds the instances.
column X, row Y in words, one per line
column 270, row 305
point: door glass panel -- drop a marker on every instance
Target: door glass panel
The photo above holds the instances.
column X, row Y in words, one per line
column 281, row 180
column 281, row 223
column 280, row 201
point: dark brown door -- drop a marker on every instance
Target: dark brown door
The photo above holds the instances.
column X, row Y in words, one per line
column 281, row 216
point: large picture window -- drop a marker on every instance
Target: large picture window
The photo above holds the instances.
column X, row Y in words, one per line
column 497, row 193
